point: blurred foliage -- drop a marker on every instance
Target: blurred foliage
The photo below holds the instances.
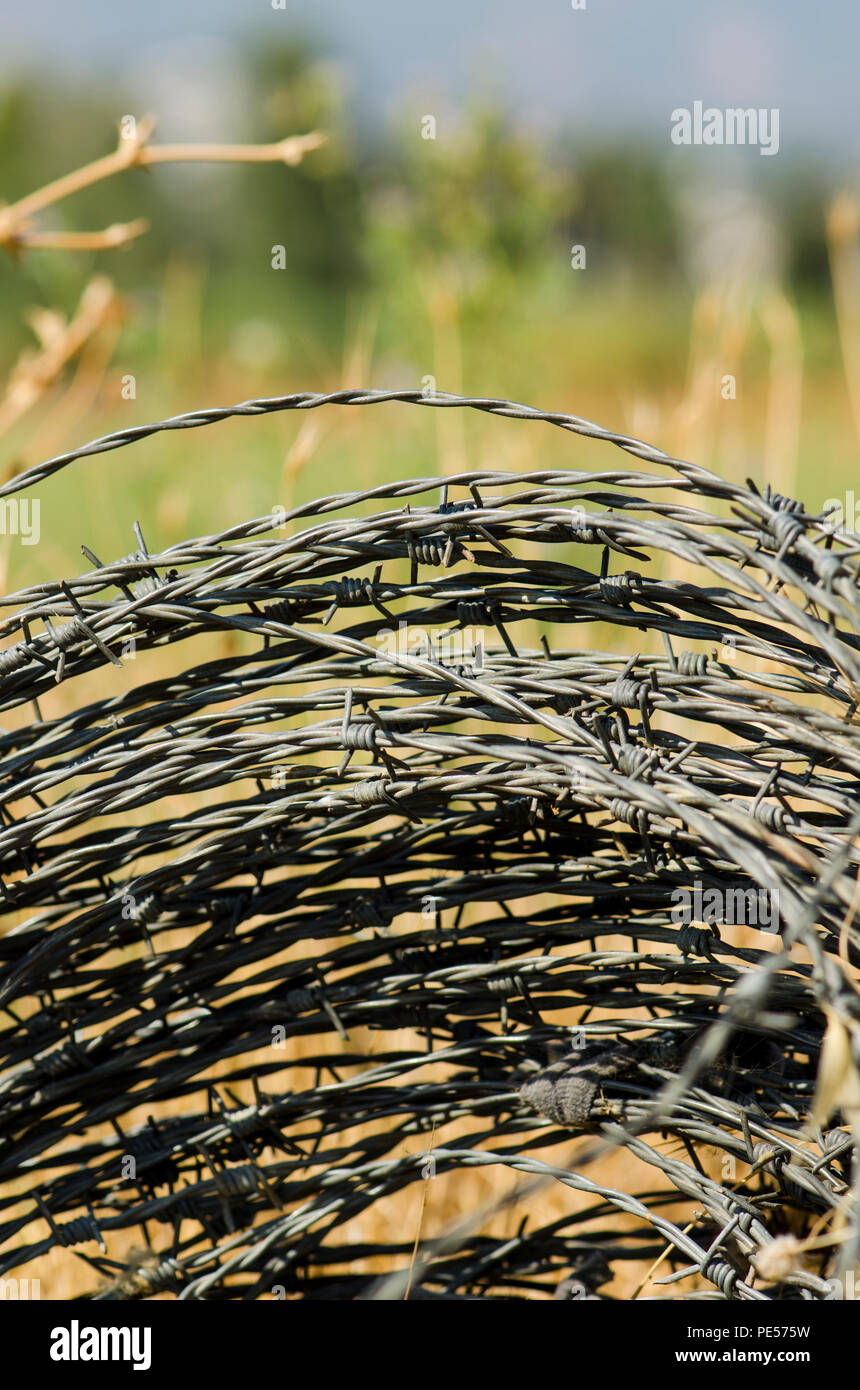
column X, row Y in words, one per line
column 627, row 213
column 318, row 207
column 488, row 209
column 482, row 205
column 405, row 257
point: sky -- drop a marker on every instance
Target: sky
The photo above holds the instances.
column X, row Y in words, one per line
column 615, row 65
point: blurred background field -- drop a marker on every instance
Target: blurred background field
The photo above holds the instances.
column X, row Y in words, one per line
column 408, row 258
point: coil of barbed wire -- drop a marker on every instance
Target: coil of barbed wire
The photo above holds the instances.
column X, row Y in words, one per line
column 408, row 805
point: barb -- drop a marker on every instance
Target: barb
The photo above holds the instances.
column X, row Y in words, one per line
column 554, row 874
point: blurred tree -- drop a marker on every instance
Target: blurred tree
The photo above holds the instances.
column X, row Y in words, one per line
column 627, row 212
column 318, row 206
column 480, row 203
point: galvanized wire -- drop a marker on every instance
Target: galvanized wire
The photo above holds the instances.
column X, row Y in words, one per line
column 399, row 795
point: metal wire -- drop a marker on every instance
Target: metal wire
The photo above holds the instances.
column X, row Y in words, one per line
column 407, row 799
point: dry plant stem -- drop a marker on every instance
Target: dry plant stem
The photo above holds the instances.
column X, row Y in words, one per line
column 847, row 923
column 289, row 151
column 421, row 1211
column 137, row 153
column 782, row 327
column 35, row 373
column 120, row 234
column 304, row 447
column 312, row 433
column 843, row 224
column 127, row 154
column 652, row 1270
column 82, row 391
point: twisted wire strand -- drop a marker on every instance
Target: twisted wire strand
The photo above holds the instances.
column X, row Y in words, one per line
column 408, row 801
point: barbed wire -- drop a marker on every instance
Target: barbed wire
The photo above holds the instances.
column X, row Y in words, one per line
column 406, row 803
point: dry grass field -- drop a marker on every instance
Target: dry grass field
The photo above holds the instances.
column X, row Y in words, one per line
column 796, row 415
